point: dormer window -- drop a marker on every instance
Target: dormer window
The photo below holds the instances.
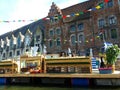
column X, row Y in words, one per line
column 2, row 43
column 11, row 43
column 27, row 40
column 18, row 42
column 5, row 45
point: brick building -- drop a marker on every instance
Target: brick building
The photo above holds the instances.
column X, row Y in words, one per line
column 78, row 27
column 106, row 21
column 90, row 29
column 70, row 32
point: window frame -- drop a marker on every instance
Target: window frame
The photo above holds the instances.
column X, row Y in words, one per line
column 112, row 20
column 73, row 42
column 52, row 33
column 83, row 38
column 58, row 41
column 80, row 27
column 112, row 33
column 72, row 28
column 110, row 3
column 101, row 22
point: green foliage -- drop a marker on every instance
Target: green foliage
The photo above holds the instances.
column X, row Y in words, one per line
column 112, row 54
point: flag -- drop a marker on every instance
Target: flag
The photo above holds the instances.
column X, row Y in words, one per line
column 101, row 32
column 106, row 1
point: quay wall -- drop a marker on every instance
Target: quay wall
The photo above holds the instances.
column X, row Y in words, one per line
column 69, row 80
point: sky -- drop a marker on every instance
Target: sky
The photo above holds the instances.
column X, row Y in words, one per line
column 11, row 10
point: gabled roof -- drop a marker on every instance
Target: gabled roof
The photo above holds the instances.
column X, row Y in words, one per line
column 32, row 27
column 78, row 7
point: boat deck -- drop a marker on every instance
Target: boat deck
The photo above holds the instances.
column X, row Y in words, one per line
column 94, row 74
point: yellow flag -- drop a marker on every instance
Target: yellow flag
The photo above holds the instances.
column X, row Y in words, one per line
column 98, row 7
column 77, row 14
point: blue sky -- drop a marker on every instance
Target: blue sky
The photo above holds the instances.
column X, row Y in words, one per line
column 26, row 10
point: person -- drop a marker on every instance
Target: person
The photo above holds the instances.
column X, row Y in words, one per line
column 62, row 54
column 73, row 54
column 102, row 63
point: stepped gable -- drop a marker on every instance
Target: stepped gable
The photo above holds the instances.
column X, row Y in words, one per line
column 54, row 10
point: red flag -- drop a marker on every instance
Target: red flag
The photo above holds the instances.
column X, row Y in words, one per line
column 44, row 19
column 64, row 17
column 106, row 1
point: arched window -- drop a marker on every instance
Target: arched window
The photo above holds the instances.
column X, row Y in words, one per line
column 81, row 38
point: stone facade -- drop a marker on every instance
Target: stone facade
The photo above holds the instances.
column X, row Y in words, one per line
column 18, row 42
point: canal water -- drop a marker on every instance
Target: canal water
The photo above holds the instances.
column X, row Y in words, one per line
column 55, row 88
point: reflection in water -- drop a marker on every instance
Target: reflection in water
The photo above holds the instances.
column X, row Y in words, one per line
column 52, row 88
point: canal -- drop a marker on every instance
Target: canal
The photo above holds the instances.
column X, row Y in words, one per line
column 55, row 88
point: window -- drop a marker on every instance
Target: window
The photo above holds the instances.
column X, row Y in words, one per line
column 52, row 10
column 18, row 42
column 73, row 39
column 58, row 31
column 10, row 54
column 56, row 18
column 51, row 32
column 112, row 20
column 27, row 40
column 5, row 45
column 11, row 43
column 101, row 23
column 58, row 42
column 37, row 38
column 81, row 38
column 113, row 33
column 72, row 28
column 80, row 26
column 110, row 3
column 2, row 43
column 18, row 53
column 51, row 43
column 3, row 55
column 52, row 20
